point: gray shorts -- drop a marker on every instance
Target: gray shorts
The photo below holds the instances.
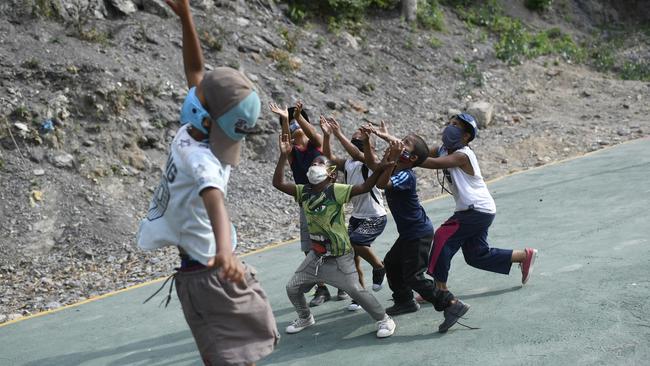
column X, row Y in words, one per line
column 231, row 324
column 305, row 241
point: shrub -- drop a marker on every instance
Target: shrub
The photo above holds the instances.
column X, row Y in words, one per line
column 538, row 5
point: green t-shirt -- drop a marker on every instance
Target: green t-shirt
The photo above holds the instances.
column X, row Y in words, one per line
column 325, row 216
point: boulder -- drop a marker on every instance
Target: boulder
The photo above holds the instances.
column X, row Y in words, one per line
column 482, row 111
column 125, row 7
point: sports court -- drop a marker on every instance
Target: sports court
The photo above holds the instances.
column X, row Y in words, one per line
column 586, row 303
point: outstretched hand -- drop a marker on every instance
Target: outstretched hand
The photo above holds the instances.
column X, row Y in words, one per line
column 285, row 144
column 334, row 124
column 396, row 148
column 325, row 126
column 282, row 112
column 230, row 268
column 297, row 110
column 383, row 127
column 180, row 7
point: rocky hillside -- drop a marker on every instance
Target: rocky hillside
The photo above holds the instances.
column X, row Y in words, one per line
column 90, row 92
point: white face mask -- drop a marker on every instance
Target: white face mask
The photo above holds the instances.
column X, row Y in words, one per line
column 317, row 174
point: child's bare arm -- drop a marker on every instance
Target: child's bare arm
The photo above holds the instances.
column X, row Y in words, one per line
column 450, row 161
column 389, row 160
column 371, row 181
column 355, row 153
column 314, row 137
column 192, row 53
column 284, row 117
column 433, row 152
column 327, row 148
column 278, row 176
column 370, row 156
column 230, row 268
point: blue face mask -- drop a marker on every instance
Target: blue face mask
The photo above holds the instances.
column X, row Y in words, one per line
column 240, row 120
column 192, row 111
column 452, row 138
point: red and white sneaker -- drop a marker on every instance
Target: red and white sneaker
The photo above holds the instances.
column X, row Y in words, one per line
column 527, row 265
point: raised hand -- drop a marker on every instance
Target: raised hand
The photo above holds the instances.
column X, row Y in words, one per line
column 396, row 148
column 282, row 112
column 298, row 110
column 325, row 126
column 285, row 144
column 334, row 124
column 383, row 127
column 180, row 7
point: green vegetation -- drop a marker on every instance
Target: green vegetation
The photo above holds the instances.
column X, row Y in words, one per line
column 435, row 42
column 210, row 40
column 340, row 14
column 429, row 15
column 636, row 70
column 290, row 39
column 514, row 40
column 46, row 9
column 538, row 5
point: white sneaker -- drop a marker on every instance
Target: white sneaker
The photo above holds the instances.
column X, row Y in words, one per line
column 300, row 324
column 354, row 306
column 385, row 327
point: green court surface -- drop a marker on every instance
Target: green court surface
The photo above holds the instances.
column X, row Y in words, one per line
column 586, row 304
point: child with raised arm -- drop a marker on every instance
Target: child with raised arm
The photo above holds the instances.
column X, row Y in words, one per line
column 407, row 259
column 331, row 259
column 474, row 213
column 368, row 217
column 223, row 303
column 306, row 144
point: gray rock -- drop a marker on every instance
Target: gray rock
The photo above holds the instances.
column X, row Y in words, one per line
column 350, row 40
column 482, row 111
column 157, row 7
column 124, row 6
column 202, row 4
column 53, row 305
column 21, row 127
column 38, row 172
column 63, row 161
column 452, row 112
column 242, row 22
column 331, row 104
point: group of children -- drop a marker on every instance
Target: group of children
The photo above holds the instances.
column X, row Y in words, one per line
column 417, row 249
column 223, row 303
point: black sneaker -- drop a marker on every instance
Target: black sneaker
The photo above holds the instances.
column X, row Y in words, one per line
column 403, row 308
column 341, row 295
column 378, row 278
column 452, row 314
column 322, row 294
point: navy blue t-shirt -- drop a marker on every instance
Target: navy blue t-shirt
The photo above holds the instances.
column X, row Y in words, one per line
column 300, row 161
column 411, row 219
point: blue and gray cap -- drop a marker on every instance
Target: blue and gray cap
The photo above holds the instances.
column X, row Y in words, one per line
column 469, row 120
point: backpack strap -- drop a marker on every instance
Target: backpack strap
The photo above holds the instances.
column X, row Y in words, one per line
column 364, row 174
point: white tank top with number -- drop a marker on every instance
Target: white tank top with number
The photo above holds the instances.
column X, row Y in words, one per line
column 469, row 191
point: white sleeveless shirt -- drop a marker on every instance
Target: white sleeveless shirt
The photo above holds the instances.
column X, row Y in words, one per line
column 469, row 191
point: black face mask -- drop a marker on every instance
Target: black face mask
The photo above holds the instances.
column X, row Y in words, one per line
column 358, row 143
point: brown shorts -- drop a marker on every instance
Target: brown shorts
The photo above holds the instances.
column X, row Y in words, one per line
column 231, row 324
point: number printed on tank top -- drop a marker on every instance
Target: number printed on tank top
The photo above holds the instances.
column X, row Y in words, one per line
column 160, row 198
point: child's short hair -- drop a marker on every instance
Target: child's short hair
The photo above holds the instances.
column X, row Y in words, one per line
column 420, row 149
